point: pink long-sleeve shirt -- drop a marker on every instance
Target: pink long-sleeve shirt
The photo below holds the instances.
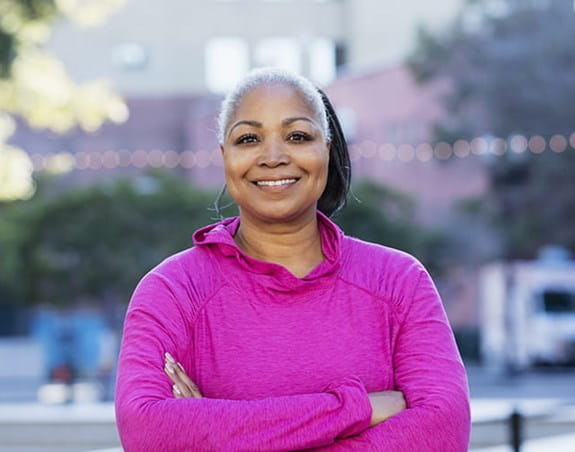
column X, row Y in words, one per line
column 286, row 363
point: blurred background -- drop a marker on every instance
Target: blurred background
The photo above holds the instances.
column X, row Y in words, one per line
column 459, row 116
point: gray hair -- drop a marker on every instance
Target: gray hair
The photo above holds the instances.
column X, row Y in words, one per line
column 272, row 76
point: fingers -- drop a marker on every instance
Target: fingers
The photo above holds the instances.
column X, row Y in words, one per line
column 176, row 392
column 180, row 388
column 183, row 385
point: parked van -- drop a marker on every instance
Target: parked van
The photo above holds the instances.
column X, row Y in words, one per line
column 528, row 312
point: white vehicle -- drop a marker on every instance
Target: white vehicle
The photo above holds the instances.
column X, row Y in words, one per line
column 528, row 312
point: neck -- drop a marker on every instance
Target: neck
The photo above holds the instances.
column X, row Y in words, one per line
column 296, row 246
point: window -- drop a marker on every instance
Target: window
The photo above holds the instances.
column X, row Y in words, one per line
column 279, row 52
column 322, row 61
column 227, row 60
column 130, row 56
column 559, row 301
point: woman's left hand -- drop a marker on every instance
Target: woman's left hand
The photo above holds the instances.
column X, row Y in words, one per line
column 183, row 386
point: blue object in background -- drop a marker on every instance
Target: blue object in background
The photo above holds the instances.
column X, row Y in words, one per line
column 71, row 342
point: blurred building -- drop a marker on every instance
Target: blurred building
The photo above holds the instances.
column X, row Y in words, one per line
column 173, row 61
column 192, row 47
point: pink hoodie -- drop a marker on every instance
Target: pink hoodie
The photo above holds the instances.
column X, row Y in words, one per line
column 286, row 363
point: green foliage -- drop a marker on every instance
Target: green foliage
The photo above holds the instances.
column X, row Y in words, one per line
column 16, row 16
column 94, row 244
column 381, row 215
column 511, row 73
column 97, row 242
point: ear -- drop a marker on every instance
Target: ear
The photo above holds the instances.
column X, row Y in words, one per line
column 222, row 149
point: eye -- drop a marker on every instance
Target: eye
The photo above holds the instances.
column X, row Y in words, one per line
column 299, row 136
column 248, row 138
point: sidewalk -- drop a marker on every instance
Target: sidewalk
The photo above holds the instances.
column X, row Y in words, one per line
column 559, row 443
column 80, row 428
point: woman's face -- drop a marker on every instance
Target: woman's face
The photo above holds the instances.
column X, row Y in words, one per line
column 275, row 155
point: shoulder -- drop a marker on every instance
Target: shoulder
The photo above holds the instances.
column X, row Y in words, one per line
column 386, row 272
column 184, row 278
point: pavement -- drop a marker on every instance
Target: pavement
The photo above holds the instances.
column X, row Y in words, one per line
column 545, row 397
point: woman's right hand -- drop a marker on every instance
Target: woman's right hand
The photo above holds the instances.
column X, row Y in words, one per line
column 385, row 404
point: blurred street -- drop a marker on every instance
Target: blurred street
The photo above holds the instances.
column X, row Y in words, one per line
column 545, row 397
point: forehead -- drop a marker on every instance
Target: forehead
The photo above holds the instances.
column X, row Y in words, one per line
column 278, row 98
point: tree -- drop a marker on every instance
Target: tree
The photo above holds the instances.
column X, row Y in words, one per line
column 510, row 64
column 34, row 85
column 91, row 245
column 382, row 215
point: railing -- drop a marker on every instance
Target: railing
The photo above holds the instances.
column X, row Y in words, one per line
column 519, row 412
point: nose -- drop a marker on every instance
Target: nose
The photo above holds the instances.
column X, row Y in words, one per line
column 274, row 153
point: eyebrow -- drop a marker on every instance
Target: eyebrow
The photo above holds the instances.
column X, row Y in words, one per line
column 285, row 122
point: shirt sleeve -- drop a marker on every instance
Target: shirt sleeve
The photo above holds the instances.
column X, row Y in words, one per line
column 430, row 373
column 149, row 418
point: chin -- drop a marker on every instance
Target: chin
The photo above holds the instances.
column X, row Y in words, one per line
column 281, row 214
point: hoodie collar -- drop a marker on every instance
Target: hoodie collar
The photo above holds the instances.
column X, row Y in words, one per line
column 221, row 236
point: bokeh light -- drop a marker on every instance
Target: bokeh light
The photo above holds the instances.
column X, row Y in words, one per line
column 461, row 148
column 558, row 143
column 443, row 150
column 16, row 170
column 537, row 144
column 518, row 143
column 110, row 159
column 156, row 158
column 424, row 152
column 387, row 151
column 203, row 159
column 171, row 159
column 479, row 146
column 498, row 146
column 368, row 149
column 139, row 158
column 405, row 152
column 188, row 159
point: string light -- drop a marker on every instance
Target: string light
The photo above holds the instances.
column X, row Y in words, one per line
column 498, row 146
column 216, row 159
column 537, row 144
column 171, row 159
column 139, row 159
column 124, row 157
column 461, row 148
column 387, row 151
column 558, row 143
column 202, row 159
column 368, row 149
column 518, row 143
column 442, row 150
column 405, row 152
column 94, row 160
column 424, row 152
column 110, row 159
column 188, row 159
column 479, row 146
column 63, row 162
column 354, row 152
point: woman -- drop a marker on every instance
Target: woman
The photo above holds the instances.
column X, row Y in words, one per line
column 276, row 331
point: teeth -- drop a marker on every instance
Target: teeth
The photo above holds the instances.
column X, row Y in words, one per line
column 276, row 182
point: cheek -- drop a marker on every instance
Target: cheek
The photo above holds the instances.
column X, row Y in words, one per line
column 235, row 164
column 322, row 165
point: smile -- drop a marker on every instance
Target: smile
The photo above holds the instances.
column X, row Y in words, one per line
column 274, row 183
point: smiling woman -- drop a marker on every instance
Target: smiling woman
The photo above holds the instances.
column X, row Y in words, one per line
column 276, row 331
column 276, row 162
